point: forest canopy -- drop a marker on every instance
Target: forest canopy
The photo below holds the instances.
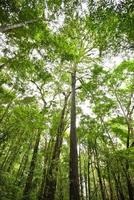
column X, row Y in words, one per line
column 66, row 100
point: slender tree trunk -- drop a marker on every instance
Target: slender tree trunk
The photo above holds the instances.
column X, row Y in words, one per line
column 99, row 176
column 130, row 189
column 86, row 180
column 60, row 186
column 119, row 190
column 47, row 162
column 129, row 184
column 15, row 149
column 105, row 188
column 88, row 170
column 101, row 184
column 46, row 158
column 23, row 163
column 110, row 183
column 11, row 154
column 15, row 26
column 7, row 156
column 29, row 179
column 50, row 186
column 23, row 170
column 13, row 158
column 73, row 178
column 81, row 177
column 94, row 181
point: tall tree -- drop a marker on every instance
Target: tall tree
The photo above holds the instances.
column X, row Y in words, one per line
column 73, row 176
column 50, row 183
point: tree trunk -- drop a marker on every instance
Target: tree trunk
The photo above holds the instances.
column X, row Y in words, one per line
column 109, row 182
column 6, row 28
column 12, row 153
column 81, row 176
column 86, row 180
column 95, row 193
column 6, row 157
column 88, row 171
column 129, row 184
column 74, row 179
column 29, row 179
column 99, row 176
column 48, row 147
column 50, row 185
column 119, row 190
column 23, row 164
column 130, row 188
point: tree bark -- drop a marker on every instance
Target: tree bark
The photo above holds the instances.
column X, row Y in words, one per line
column 29, row 179
column 73, row 178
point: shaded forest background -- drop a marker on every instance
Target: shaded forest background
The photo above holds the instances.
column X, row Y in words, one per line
column 66, row 100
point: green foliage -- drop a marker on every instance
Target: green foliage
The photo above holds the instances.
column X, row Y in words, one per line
column 35, row 77
column 8, row 189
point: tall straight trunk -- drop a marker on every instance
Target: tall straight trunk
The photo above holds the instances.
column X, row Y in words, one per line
column 86, row 180
column 95, row 193
column 28, row 185
column 50, row 185
column 47, row 157
column 88, row 171
column 110, row 182
column 81, row 176
column 23, row 170
column 73, row 176
column 130, row 188
column 101, row 183
column 119, row 189
column 99, row 176
column 105, row 187
column 129, row 183
column 23, row 164
column 6, row 28
column 13, row 152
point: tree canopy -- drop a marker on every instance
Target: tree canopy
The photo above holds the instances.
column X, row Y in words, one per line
column 66, row 100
